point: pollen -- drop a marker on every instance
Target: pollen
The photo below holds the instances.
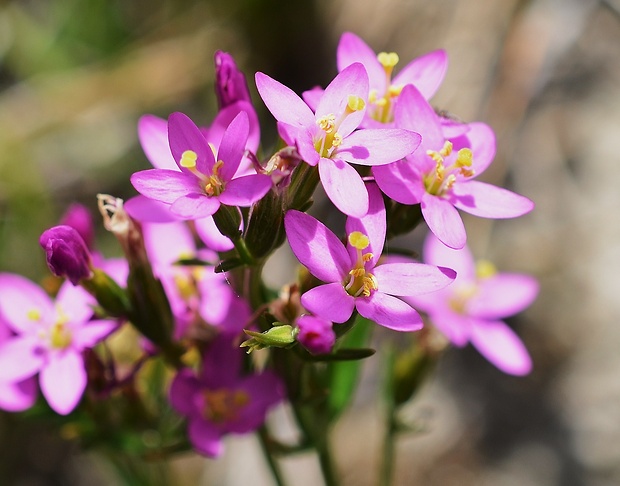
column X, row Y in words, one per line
column 327, row 123
column 188, row 159
column 34, row 314
column 355, row 103
column 359, row 240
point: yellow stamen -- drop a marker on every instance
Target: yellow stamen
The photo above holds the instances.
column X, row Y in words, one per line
column 327, row 123
column 394, row 91
column 359, row 240
column 337, row 140
column 464, row 157
column 223, row 405
column 485, row 269
column 388, row 60
column 355, row 103
column 447, row 149
column 34, row 314
column 60, row 337
column 188, row 159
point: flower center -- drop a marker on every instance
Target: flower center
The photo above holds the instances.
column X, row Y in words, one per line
column 460, row 297
column 442, row 178
column 382, row 105
column 212, row 184
column 360, row 282
column 327, row 138
column 223, row 405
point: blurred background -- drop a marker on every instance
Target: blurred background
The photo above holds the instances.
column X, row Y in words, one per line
column 75, row 76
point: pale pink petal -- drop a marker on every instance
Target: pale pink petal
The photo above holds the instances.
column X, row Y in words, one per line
column 205, row 437
column 312, row 97
column 20, row 299
column 373, row 225
column 444, row 221
column 456, row 327
column 501, row 346
column 148, row 210
column 390, row 312
column 226, row 115
column 404, row 279
column 16, row 397
column 353, row 49
column 426, row 73
column 488, row 201
column 400, row 181
column 89, row 334
column 329, row 301
column 194, row 206
column 74, row 303
column 461, row 261
column 480, row 138
column 210, row 235
column 316, row 247
column 164, row 185
column 233, row 145
column 344, row 187
column 377, row 146
column 246, row 190
column 153, row 136
column 20, row 358
column 414, row 113
column 283, row 103
column 503, row 295
column 167, row 243
column 63, row 380
column 183, row 134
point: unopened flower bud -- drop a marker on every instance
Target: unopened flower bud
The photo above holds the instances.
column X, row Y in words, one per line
column 230, row 83
column 66, row 253
column 316, row 334
column 280, row 336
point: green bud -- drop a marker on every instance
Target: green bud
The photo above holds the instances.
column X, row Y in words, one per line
column 279, row 336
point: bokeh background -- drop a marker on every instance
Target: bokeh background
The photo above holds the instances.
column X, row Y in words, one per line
column 76, row 75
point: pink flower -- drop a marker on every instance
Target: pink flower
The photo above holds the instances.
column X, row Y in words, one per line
column 315, row 334
column 440, row 174
column 66, row 253
column 220, row 400
column 20, row 395
column 49, row 338
column 354, row 276
column 202, row 181
column 471, row 309
column 329, row 137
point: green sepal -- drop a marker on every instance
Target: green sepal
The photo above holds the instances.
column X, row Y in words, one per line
column 279, row 336
column 228, row 264
column 348, row 354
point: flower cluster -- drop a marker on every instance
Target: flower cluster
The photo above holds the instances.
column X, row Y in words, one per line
column 210, row 213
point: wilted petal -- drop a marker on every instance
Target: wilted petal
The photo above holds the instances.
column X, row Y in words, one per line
column 426, row 73
column 283, row 103
column 344, row 187
column 164, row 185
column 246, row 190
column 405, row 279
column 444, row 221
column 329, row 301
column 501, row 346
column 316, row 247
column 389, row 312
column 378, row 146
column 488, row 201
column 63, row 380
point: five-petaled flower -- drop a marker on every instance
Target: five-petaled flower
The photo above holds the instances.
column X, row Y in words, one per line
column 354, row 276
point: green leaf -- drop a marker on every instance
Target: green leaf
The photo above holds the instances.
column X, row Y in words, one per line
column 348, row 354
column 228, row 264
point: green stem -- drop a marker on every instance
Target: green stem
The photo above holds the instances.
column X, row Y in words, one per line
column 389, row 438
column 263, row 436
column 327, row 464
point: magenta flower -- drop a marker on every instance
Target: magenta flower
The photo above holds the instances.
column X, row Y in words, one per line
column 66, row 253
column 315, row 334
column 230, row 83
column 220, row 400
column 354, row 276
column 426, row 73
column 440, row 174
column 203, row 181
column 472, row 308
column 50, row 337
column 329, row 137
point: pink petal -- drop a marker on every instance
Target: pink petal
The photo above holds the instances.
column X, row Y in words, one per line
column 246, row 190
column 353, row 49
column 149, row 210
column 63, row 380
column 316, row 247
column 503, row 295
column 390, row 312
column 183, row 134
column 373, row 225
column 329, row 301
column 166, row 243
column 20, row 358
column 153, row 135
column 205, row 437
column 501, row 346
column 456, row 327
column 414, row 113
column 75, row 303
column 461, row 261
column 312, row 97
column 344, row 187
column 164, row 185
column 210, row 235
column 444, row 221
column 283, row 103
column 425, row 72
column 378, row 146
column 226, row 115
column 481, row 139
column 406, row 279
column 194, row 206
column 19, row 296
column 89, row 334
column 401, row 181
column 488, row 201
column 16, row 397
column 182, row 390
column 233, row 145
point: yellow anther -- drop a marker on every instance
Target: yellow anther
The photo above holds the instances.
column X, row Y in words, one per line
column 447, row 149
column 464, row 157
column 450, row 180
column 381, row 102
column 370, row 283
column 465, row 172
column 355, row 103
column 359, row 240
column 327, row 123
column 394, row 91
column 357, row 272
column 60, row 337
column 223, row 405
column 217, row 166
column 185, row 286
column 436, row 156
column 188, row 159
column 34, row 314
column 337, row 140
column 388, row 59
column 439, row 170
column 366, row 257
column 485, row 269
column 372, row 96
